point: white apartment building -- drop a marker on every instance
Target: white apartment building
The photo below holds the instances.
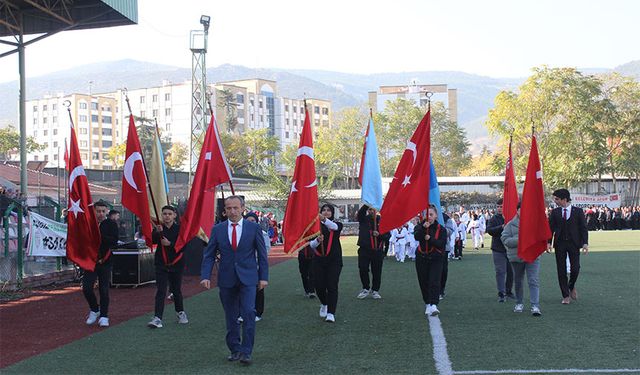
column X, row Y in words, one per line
column 96, row 125
column 415, row 92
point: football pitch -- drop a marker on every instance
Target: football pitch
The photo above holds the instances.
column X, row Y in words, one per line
column 474, row 334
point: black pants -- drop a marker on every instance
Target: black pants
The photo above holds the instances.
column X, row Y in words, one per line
column 562, row 249
column 259, row 302
column 326, row 275
column 304, row 265
column 374, row 258
column 173, row 277
column 102, row 273
column 445, row 272
column 457, row 249
column 429, row 270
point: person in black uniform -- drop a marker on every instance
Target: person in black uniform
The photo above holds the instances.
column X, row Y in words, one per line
column 569, row 228
column 169, row 266
column 304, row 266
column 327, row 262
column 501, row 264
column 370, row 251
column 102, row 271
column 430, row 258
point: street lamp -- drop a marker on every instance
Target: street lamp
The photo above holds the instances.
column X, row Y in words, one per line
column 205, row 21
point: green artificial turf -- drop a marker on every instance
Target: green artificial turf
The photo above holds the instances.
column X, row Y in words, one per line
column 390, row 336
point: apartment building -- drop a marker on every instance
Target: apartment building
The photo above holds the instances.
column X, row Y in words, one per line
column 415, row 92
column 96, row 125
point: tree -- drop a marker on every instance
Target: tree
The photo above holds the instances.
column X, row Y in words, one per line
column 449, row 144
column 10, row 143
column 178, row 154
column 250, row 152
column 564, row 106
column 227, row 101
column 481, row 165
column 146, row 134
column 116, row 154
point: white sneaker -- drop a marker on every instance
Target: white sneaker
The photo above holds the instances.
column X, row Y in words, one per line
column 363, row 294
column 92, row 318
column 312, row 295
column 103, row 322
column 182, row 317
column 155, row 323
column 535, row 311
column 434, row 310
column 375, row 295
column 323, row 311
column 170, row 296
column 428, row 310
column 258, row 318
column 518, row 308
column 330, row 318
column 240, row 320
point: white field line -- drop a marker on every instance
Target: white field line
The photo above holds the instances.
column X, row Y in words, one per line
column 552, row 371
column 440, row 354
column 444, row 367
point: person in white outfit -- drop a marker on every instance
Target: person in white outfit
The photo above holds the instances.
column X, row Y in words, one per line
column 482, row 226
column 460, row 236
column 400, row 243
column 474, row 229
column 412, row 244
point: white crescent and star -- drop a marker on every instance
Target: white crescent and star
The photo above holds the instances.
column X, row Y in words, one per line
column 128, row 169
column 75, row 207
column 411, row 147
column 308, row 151
column 75, row 173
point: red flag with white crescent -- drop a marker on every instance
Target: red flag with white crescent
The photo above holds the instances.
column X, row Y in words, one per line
column 301, row 215
column 83, row 233
column 510, row 193
column 134, row 183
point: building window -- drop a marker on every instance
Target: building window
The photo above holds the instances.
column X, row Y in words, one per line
column 167, row 97
column 35, row 133
column 46, row 158
column 167, row 126
column 84, row 155
column 94, row 105
column 295, row 122
column 35, row 108
column 142, row 100
column 240, row 98
column 83, row 105
column 286, row 107
column 45, row 132
column 83, row 144
column 261, row 119
column 83, row 130
column 54, row 107
column 35, row 121
column 260, row 104
column 44, row 108
column 295, row 108
column 251, row 102
column 154, row 98
column 35, row 157
column 286, row 121
column 154, row 113
column 325, row 123
column 46, row 145
column 55, row 120
column 96, row 131
column 106, row 107
column 55, row 131
column 55, row 144
column 94, row 118
column 325, row 111
column 106, row 132
column 316, row 109
column 44, row 120
column 95, row 156
column 55, row 157
column 167, row 111
column 106, row 144
column 96, row 144
column 286, row 134
column 302, row 109
column 106, row 119
column 143, row 114
column 83, row 118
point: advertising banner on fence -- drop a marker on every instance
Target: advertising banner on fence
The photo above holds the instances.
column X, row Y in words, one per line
column 48, row 237
column 586, row 200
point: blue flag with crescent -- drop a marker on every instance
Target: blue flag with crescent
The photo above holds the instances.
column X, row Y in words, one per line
column 434, row 191
column 371, row 177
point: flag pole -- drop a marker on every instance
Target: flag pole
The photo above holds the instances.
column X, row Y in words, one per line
column 66, row 176
column 158, row 134
column 218, row 137
column 144, row 165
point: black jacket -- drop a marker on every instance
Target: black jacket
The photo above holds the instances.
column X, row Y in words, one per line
column 166, row 255
column 436, row 246
column 494, row 228
column 573, row 230
column 109, row 239
column 366, row 239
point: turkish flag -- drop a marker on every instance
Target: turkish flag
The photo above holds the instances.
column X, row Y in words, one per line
column 510, row 193
column 409, row 191
column 534, row 226
column 83, row 233
column 134, row 183
column 301, row 215
column 212, row 171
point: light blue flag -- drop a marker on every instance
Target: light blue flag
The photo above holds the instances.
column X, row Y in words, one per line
column 371, row 177
column 434, row 191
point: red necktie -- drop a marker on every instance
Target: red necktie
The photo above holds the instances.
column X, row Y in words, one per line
column 234, row 237
column 564, row 213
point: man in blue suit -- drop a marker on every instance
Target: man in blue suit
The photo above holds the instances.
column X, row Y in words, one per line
column 243, row 266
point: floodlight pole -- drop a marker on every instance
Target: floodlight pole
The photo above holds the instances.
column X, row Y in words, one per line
column 23, row 120
column 198, row 96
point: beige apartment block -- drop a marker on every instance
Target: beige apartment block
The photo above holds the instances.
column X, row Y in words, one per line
column 415, row 92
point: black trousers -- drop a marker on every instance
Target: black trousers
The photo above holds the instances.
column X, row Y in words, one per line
column 429, row 271
column 259, row 302
column 457, row 249
column 326, row 275
column 373, row 258
column 102, row 273
column 306, row 273
column 562, row 249
column 173, row 277
column 445, row 273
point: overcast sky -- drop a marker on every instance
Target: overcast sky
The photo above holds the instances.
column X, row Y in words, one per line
column 501, row 38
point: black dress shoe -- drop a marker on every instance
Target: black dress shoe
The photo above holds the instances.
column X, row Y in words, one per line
column 234, row 356
column 245, row 359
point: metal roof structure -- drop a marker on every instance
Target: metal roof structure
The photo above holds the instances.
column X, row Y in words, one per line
column 43, row 18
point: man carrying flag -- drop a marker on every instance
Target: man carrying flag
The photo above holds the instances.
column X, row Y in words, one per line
column 370, row 240
column 134, row 183
column 84, row 243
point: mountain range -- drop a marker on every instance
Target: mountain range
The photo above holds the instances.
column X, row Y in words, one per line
column 475, row 93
